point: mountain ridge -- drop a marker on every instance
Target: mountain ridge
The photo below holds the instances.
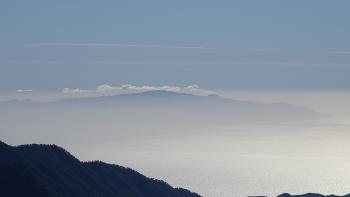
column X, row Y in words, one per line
column 310, row 195
column 54, row 172
column 43, row 170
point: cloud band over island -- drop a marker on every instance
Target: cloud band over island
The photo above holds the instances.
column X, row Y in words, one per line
column 106, row 89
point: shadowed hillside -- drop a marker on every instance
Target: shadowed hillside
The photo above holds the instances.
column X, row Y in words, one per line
column 310, row 195
column 48, row 170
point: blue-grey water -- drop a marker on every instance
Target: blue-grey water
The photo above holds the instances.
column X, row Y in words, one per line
column 215, row 160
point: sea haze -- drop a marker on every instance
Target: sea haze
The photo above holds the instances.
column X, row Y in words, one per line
column 230, row 144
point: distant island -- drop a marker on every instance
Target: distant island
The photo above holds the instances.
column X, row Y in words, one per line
column 38, row 170
column 175, row 105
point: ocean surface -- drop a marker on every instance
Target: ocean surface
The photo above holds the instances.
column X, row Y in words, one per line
column 259, row 159
column 211, row 159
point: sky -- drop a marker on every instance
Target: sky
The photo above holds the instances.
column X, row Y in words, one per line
column 238, row 45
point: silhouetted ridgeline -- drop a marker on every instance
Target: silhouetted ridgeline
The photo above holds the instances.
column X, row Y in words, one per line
column 310, row 195
column 50, row 171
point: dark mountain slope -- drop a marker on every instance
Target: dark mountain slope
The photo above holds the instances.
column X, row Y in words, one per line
column 48, row 170
column 310, row 195
column 16, row 180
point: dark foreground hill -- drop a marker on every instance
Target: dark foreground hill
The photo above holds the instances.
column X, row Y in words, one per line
column 310, row 195
column 38, row 170
column 50, row 171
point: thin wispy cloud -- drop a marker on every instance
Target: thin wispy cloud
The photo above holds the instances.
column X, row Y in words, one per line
column 174, row 63
column 58, row 44
column 340, row 52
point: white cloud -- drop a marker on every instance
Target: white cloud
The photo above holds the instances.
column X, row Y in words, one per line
column 76, row 90
column 150, row 88
column 106, row 89
column 194, row 86
column 194, row 89
column 27, row 90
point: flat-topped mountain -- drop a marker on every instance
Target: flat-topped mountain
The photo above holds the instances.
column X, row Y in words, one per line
column 176, row 105
column 50, row 171
column 156, row 95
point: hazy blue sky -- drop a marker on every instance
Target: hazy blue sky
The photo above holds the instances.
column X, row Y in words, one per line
column 47, row 45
